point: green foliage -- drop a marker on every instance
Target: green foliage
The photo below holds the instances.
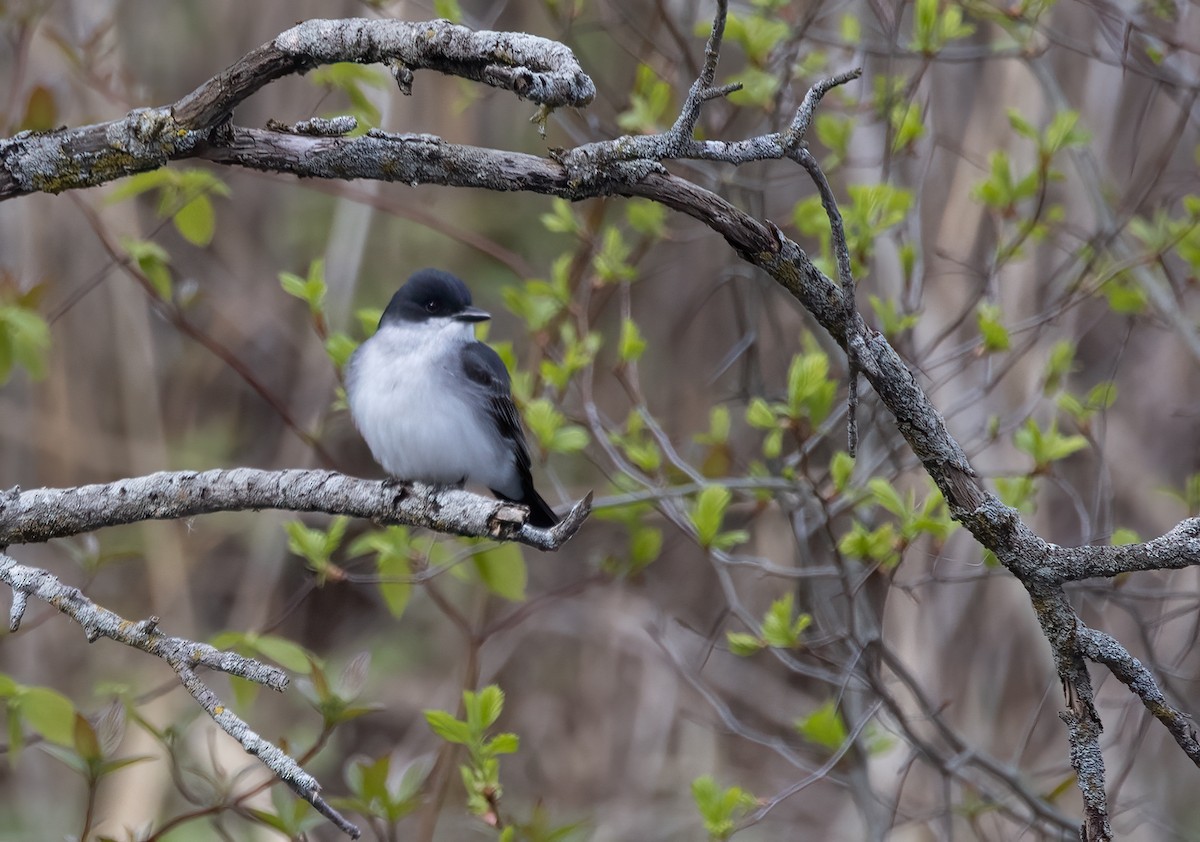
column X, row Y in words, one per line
column 184, row 197
column 353, row 80
column 991, row 330
column 631, row 345
column 649, row 110
column 841, row 466
column 317, row 546
column 153, row 262
column 537, row 302
column 1124, row 537
column 24, row 334
column 870, row 212
column 1019, row 492
column 874, row 545
column 646, row 217
column 311, row 289
column 810, row 396
column 336, row 700
column 637, row 444
column 708, row 515
column 448, row 10
column 289, row 655
column 1001, row 190
column 893, row 102
column 291, row 816
column 1021, row 198
column 551, row 430
column 834, row 132
column 1099, row 398
column 577, row 353
column 396, row 557
column 47, row 712
column 502, row 571
column 824, row 727
column 382, row 789
column 1189, row 496
column 1046, row 446
column 1059, row 364
column 781, row 628
column 930, row 517
column 89, row 752
column 481, row 772
column 891, row 321
column 935, row 24
column 721, row 809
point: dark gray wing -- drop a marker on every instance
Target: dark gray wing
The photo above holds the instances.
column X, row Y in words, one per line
column 484, row 368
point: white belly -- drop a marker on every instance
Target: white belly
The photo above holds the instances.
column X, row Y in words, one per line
column 414, row 411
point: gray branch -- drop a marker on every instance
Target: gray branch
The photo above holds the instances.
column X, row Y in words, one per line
column 183, row 656
column 45, row 513
column 533, row 68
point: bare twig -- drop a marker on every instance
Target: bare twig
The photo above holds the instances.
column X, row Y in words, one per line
column 183, row 656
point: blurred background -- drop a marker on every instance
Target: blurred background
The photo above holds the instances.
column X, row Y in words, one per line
column 1018, row 181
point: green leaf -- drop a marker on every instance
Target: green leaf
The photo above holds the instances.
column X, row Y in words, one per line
column 646, row 217
column 886, row 495
column 720, row 809
column 780, row 629
column 390, row 565
column 645, row 545
column 709, row 512
column 196, row 221
column 1123, row 537
column 504, row 743
column 743, row 644
column 86, row 744
column 840, row 469
column 631, row 345
column 502, row 571
column 447, row 727
column 49, row 713
column 311, row 289
column 993, row 332
column 291, row 656
column 824, row 726
column 759, row 414
column 153, row 261
column 1046, row 446
column 483, row 708
column 24, row 339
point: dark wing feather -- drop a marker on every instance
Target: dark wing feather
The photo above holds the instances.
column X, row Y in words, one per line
column 484, row 368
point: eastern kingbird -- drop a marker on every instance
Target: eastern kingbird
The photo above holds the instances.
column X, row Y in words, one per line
column 434, row 404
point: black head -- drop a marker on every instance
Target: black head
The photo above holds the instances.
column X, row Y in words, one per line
column 432, row 294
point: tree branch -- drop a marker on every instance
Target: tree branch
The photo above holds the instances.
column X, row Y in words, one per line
column 183, row 656
column 45, row 513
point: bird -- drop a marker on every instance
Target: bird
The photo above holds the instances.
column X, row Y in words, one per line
column 433, row 403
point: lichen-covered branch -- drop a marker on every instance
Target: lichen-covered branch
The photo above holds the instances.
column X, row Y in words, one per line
column 45, row 513
column 533, row 68
column 183, row 656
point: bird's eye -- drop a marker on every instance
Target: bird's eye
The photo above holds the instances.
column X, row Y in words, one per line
column 431, row 306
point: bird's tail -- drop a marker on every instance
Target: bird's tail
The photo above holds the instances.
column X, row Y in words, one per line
column 540, row 513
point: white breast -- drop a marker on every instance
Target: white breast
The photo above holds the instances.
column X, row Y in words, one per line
column 412, row 403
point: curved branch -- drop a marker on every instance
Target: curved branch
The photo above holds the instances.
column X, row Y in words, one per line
column 537, row 69
column 45, row 513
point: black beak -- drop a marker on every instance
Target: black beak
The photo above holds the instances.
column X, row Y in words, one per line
column 472, row 314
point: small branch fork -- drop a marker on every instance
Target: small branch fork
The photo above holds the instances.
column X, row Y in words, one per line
column 200, row 126
column 183, row 656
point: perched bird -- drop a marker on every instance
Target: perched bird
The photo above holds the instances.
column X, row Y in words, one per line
column 433, row 403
